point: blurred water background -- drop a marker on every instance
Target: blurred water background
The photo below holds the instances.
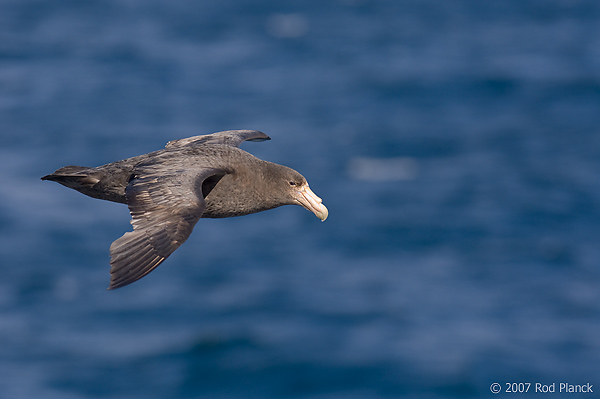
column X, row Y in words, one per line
column 455, row 143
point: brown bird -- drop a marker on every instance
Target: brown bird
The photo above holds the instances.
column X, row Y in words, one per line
column 169, row 190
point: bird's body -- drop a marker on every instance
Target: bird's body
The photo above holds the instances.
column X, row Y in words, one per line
column 169, row 190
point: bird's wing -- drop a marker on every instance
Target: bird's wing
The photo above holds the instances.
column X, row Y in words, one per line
column 165, row 205
column 230, row 137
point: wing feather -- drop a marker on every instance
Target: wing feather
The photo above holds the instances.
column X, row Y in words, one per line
column 164, row 206
column 229, row 137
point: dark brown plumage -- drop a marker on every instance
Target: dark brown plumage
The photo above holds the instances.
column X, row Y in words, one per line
column 169, row 190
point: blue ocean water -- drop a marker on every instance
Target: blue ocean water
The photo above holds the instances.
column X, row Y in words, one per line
column 456, row 145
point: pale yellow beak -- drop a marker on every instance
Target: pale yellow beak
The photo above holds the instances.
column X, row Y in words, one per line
column 310, row 201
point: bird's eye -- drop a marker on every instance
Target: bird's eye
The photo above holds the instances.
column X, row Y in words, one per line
column 292, row 183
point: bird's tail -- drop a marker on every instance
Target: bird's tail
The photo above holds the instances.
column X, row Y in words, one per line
column 75, row 177
column 107, row 182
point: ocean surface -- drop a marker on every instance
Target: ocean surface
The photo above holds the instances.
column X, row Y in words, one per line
column 455, row 143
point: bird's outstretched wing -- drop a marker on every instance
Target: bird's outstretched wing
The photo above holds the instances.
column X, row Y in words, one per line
column 164, row 206
column 229, row 137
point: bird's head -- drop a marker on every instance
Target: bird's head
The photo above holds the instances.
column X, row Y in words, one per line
column 295, row 190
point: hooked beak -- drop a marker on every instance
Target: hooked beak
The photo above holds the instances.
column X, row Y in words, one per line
column 310, row 201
